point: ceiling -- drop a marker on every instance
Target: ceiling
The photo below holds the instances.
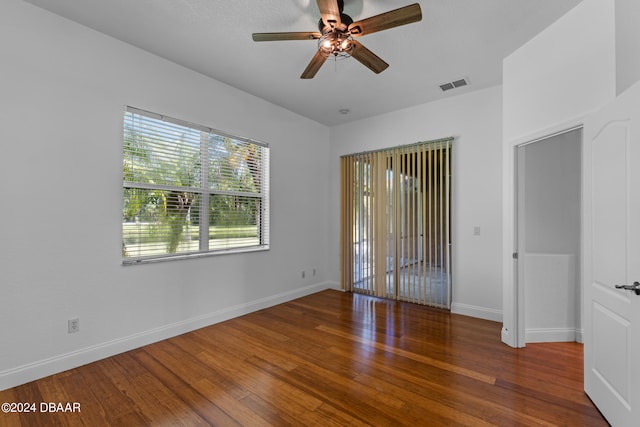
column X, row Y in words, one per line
column 455, row 39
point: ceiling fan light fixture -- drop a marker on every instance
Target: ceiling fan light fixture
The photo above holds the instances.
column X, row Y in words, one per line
column 335, row 43
column 337, row 34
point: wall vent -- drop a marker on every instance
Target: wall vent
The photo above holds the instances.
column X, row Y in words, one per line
column 452, row 85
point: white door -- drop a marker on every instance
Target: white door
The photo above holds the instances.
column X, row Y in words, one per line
column 611, row 238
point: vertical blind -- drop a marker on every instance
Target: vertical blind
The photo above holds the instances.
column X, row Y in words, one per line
column 396, row 223
column 188, row 189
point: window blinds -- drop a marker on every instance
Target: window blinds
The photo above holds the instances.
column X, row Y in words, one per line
column 396, row 223
column 188, row 189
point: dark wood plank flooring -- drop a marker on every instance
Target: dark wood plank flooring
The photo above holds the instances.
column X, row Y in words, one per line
column 328, row 359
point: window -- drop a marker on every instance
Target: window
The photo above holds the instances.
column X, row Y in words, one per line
column 190, row 190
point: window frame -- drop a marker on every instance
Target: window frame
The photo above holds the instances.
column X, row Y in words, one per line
column 204, row 191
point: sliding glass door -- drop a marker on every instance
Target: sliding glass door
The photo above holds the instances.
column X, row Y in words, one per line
column 395, row 223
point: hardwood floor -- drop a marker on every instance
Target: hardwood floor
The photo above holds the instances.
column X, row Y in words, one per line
column 327, row 359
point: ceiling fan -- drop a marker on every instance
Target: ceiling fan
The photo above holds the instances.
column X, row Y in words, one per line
column 337, row 33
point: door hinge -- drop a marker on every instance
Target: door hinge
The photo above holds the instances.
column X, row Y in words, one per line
column 515, row 255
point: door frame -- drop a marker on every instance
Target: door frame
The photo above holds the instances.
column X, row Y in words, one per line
column 513, row 325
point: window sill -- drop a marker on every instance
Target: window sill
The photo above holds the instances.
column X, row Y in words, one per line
column 166, row 258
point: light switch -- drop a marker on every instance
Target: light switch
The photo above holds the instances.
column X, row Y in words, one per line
column 476, row 230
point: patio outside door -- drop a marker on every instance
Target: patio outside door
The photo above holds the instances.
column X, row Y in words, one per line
column 396, row 233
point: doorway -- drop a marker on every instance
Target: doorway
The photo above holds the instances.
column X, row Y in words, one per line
column 396, row 223
column 549, row 237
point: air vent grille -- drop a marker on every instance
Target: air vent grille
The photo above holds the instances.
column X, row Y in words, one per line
column 447, row 86
column 452, row 85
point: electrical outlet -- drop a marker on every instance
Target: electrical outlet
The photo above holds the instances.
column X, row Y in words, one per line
column 303, row 274
column 74, row 325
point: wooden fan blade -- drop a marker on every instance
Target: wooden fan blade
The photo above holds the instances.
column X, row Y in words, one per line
column 384, row 21
column 366, row 57
column 315, row 64
column 330, row 12
column 270, row 37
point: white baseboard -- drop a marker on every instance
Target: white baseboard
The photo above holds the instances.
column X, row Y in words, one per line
column 553, row 335
column 475, row 311
column 43, row 368
column 335, row 286
column 508, row 338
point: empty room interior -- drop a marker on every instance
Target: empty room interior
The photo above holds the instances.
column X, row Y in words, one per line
column 296, row 212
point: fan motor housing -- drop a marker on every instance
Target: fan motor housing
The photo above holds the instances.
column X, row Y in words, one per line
column 345, row 21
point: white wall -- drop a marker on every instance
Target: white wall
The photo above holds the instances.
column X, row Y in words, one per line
column 627, row 44
column 63, row 88
column 552, row 194
column 550, row 237
column 549, row 85
column 550, row 286
column 563, row 73
column 474, row 120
